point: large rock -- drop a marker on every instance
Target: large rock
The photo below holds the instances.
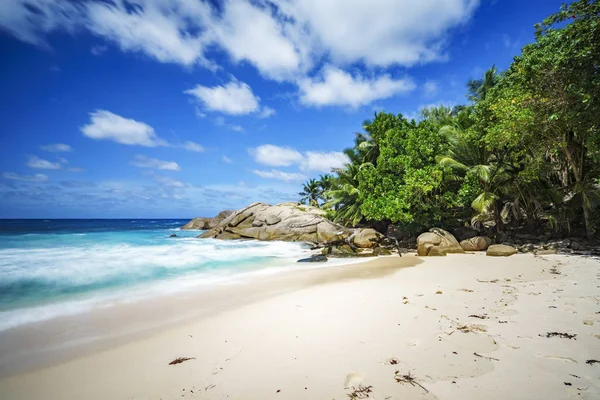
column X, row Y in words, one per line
column 465, row 233
column 477, row 243
column 207, row 223
column 437, row 238
column 367, row 238
column 500, row 250
column 291, row 222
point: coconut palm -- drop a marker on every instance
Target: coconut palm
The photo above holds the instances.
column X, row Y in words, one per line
column 311, row 192
column 325, row 182
column 479, row 88
column 344, row 197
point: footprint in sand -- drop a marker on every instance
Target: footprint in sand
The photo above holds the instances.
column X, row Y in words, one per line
column 353, row 379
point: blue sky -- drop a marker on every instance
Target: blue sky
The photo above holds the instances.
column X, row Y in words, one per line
column 180, row 108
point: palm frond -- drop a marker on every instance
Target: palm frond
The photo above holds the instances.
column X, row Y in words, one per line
column 484, row 202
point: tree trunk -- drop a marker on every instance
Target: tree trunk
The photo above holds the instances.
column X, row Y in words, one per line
column 498, row 218
column 586, row 220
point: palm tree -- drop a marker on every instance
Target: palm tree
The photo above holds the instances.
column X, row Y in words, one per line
column 325, row 182
column 365, row 149
column 472, row 159
column 479, row 88
column 311, row 192
column 440, row 115
column 344, row 196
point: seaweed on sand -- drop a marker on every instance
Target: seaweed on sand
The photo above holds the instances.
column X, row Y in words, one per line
column 561, row 335
column 360, row 392
column 408, row 378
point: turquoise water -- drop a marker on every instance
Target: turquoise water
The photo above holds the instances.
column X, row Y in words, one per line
column 51, row 268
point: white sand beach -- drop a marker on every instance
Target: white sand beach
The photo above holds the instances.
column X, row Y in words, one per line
column 456, row 327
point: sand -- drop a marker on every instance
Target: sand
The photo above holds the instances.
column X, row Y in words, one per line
column 455, row 327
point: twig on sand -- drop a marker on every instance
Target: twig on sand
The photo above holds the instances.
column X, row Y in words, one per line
column 181, row 359
column 408, row 378
column 478, row 316
column 360, row 392
column 592, row 362
column 471, row 328
column 561, row 335
column 489, row 358
column 237, row 354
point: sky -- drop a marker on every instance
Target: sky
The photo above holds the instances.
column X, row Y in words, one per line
column 183, row 108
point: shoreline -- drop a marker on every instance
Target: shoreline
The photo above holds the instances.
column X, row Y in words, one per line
column 335, row 332
column 34, row 346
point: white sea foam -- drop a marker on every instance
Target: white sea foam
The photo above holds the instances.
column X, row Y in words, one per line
column 100, row 275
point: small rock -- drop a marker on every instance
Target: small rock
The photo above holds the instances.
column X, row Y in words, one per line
column 314, row 258
column 173, row 235
column 500, row 250
column 380, row 251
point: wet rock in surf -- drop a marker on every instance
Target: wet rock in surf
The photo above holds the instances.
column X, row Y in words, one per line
column 314, row 258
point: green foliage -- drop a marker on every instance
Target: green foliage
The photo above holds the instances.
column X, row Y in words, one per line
column 405, row 185
column 524, row 153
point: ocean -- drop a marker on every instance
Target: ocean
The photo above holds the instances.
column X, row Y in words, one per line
column 54, row 268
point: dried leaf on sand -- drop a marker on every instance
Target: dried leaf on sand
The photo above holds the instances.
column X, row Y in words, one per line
column 181, row 359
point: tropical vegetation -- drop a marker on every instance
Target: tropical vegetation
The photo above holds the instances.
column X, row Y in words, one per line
column 522, row 154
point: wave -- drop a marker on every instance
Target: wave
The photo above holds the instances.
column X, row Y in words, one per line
column 45, row 282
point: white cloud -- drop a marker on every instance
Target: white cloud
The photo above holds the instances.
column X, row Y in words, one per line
column 266, row 112
column 275, row 156
column 227, row 160
column 379, row 32
column 30, row 20
column 148, row 162
column 156, row 28
column 168, row 181
column 28, row 178
column 57, row 148
column 323, row 162
column 234, row 98
column 193, row 146
column 279, row 175
column 252, row 33
column 431, row 88
column 339, row 88
column 39, row 163
column 105, row 125
column 283, row 39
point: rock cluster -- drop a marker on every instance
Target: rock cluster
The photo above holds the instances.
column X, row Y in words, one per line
column 291, row 222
